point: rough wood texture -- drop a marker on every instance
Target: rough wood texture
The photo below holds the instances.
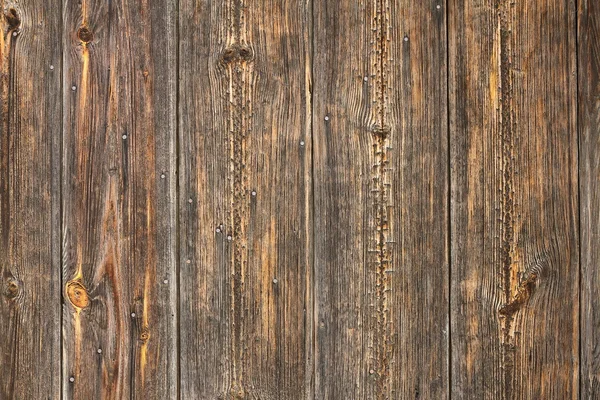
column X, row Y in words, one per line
column 30, row 125
column 298, row 199
column 589, row 170
column 119, row 180
column 244, row 145
column 514, row 305
column 381, row 200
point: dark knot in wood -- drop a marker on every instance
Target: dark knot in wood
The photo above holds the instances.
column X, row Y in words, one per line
column 85, row 35
column 380, row 132
column 12, row 288
column 12, row 18
column 524, row 292
column 144, row 335
column 237, row 52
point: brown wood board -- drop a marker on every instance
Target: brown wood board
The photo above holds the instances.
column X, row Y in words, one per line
column 299, row 199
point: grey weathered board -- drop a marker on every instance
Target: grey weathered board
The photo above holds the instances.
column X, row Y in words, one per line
column 30, row 140
column 381, row 186
column 589, row 172
column 299, row 199
column 244, row 206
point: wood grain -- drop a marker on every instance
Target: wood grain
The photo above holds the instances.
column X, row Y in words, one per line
column 119, row 180
column 381, row 200
column 589, row 170
column 514, row 305
column 245, row 150
column 298, row 199
column 30, row 130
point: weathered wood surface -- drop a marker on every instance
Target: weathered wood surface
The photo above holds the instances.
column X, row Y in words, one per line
column 298, row 199
column 30, row 126
column 589, row 170
column 380, row 200
column 244, row 207
column 515, row 268
column 118, row 196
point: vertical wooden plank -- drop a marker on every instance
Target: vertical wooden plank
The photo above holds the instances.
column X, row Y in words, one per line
column 514, row 199
column 589, row 170
column 381, row 199
column 119, row 200
column 30, row 131
column 244, row 198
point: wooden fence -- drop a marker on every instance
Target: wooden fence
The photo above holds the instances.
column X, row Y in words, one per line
column 300, row 199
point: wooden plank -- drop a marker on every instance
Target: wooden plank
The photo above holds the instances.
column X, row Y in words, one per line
column 589, row 170
column 514, row 199
column 381, row 199
column 118, row 188
column 244, row 199
column 30, row 126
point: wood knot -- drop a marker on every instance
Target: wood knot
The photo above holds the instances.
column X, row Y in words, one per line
column 144, row 335
column 12, row 288
column 237, row 393
column 237, row 53
column 77, row 294
column 229, row 55
column 380, row 132
column 12, row 18
column 521, row 297
column 245, row 53
column 85, row 35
